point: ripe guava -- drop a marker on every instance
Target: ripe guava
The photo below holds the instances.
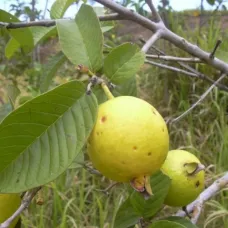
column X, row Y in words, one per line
column 130, row 140
column 187, row 177
column 9, row 203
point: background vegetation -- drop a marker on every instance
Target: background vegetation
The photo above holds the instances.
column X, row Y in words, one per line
column 75, row 199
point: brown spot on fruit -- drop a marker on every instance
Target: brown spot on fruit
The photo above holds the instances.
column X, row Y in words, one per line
column 135, row 148
column 163, row 129
column 103, row 119
column 149, row 153
column 123, row 162
column 197, row 184
column 98, row 133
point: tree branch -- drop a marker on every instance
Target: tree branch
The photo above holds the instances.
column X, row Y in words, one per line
column 24, row 204
column 49, row 23
column 208, row 193
column 174, row 58
column 130, row 15
column 151, row 41
column 197, row 73
column 200, row 100
column 155, row 14
column 175, row 69
column 166, row 34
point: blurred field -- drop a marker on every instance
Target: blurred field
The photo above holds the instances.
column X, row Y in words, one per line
column 73, row 200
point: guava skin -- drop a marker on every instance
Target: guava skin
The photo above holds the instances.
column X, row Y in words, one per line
column 129, row 139
column 9, row 203
column 184, row 188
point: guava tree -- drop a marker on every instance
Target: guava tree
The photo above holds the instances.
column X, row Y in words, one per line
column 47, row 135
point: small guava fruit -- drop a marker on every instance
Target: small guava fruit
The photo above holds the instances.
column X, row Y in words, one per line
column 187, row 177
column 129, row 141
column 9, row 203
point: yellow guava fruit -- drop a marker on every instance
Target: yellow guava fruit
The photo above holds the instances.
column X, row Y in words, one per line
column 129, row 140
column 187, row 177
column 9, row 203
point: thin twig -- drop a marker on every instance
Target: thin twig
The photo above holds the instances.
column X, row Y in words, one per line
column 49, row 23
column 204, row 95
column 106, row 190
column 174, row 58
column 178, row 70
column 151, row 41
column 89, row 169
column 212, row 55
column 155, row 14
column 207, row 194
column 24, row 204
column 199, row 74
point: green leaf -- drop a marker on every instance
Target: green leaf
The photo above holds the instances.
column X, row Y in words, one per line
column 50, row 69
column 82, row 40
column 126, row 216
column 11, row 47
column 211, row 2
column 22, row 35
column 100, row 95
column 128, row 88
column 187, row 223
column 106, row 28
column 160, row 184
column 13, row 93
column 166, row 224
column 77, row 163
column 41, row 33
column 123, row 62
column 40, row 139
column 59, row 7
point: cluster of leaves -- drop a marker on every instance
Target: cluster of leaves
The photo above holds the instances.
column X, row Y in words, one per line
column 45, row 136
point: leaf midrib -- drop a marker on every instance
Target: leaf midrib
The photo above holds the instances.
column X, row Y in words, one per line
column 123, row 65
column 36, row 138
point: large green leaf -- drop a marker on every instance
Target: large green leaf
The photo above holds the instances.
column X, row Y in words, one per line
column 59, row 7
column 82, row 39
column 40, row 139
column 41, row 33
column 126, row 216
column 187, row 223
column 77, row 163
column 173, row 222
column 160, row 184
column 22, row 35
column 50, row 69
column 123, row 62
column 11, row 47
column 166, row 224
column 105, row 25
column 128, row 88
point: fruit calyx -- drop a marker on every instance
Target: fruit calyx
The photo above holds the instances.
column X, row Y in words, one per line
column 142, row 185
column 192, row 168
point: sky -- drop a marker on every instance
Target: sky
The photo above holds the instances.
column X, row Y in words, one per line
column 177, row 5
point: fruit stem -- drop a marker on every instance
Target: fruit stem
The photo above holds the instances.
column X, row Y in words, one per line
column 107, row 91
